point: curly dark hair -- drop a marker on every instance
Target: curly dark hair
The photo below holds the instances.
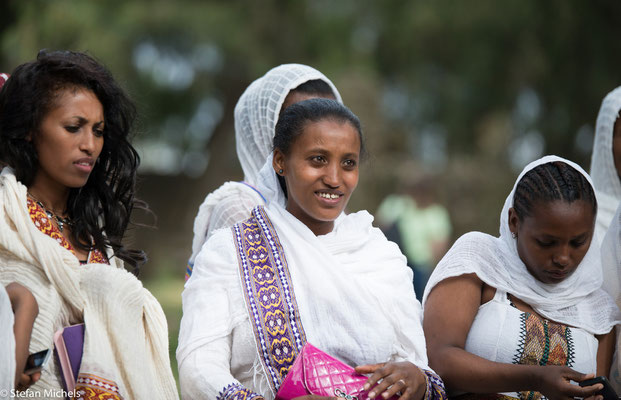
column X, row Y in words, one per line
column 100, row 210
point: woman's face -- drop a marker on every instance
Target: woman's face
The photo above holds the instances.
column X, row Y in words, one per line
column 321, row 172
column 69, row 140
column 554, row 239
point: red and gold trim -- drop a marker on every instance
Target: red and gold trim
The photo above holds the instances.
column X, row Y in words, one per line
column 93, row 387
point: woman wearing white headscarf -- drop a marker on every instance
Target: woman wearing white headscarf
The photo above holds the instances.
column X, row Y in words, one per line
column 524, row 313
column 606, row 160
column 256, row 114
column 300, row 270
column 611, row 259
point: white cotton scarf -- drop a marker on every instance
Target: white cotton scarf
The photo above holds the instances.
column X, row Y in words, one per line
column 605, row 178
column 256, row 114
column 353, row 287
column 7, row 340
column 578, row 301
column 126, row 337
column 611, row 260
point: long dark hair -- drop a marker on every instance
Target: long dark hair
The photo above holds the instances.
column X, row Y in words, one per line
column 100, row 210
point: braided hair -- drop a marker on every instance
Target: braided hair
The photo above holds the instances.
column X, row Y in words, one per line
column 551, row 182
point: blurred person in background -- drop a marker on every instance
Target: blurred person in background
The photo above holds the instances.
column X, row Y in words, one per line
column 606, row 161
column 256, row 114
column 419, row 225
column 66, row 196
column 301, row 270
column 524, row 314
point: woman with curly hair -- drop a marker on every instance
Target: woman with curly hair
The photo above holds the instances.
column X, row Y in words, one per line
column 66, row 199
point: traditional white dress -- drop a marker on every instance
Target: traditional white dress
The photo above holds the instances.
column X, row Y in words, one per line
column 578, row 306
column 605, row 178
column 348, row 292
column 7, row 345
column 125, row 354
column 256, row 114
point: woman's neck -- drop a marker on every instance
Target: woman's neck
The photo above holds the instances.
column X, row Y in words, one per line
column 52, row 195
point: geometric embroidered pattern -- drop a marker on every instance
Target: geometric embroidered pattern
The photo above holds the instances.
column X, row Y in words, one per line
column 43, row 223
column 235, row 391
column 543, row 343
column 89, row 387
column 269, row 295
column 435, row 387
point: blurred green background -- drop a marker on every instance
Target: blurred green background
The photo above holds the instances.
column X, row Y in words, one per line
column 465, row 91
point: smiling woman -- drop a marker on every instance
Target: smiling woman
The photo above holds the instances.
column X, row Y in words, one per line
column 65, row 203
column 302, row 271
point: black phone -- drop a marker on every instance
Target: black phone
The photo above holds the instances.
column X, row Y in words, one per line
column 36, row 361
column 607, row 392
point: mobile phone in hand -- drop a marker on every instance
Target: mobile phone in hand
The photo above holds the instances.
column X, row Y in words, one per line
column 36, row 361
column 607, row 392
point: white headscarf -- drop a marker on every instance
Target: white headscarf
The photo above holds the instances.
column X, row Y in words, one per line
column 577, row 301
column 605, row 178
column 257, row 111
column 256, row 114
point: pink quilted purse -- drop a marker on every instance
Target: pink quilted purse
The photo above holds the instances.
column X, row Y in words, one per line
column 315, row 372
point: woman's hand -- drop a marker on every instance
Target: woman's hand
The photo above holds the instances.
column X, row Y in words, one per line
column 394, row 377
column 26, row 309
column 554, row 383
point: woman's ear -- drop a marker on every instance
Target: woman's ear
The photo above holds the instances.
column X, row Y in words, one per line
column 514, row 222
column 278, row 162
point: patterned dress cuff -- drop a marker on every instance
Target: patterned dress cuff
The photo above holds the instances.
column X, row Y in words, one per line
column 235, row 391
column 435, row 387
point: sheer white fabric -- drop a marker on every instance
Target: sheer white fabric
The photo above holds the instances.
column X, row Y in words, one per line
column 256, row 114
column 352, row 286
column 611, row 260
column 578, row 301
column 7, row 343
column 605, row 178
column 126, row 337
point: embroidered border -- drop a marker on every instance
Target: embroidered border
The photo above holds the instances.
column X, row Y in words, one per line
column 269, row 296
column 235, row 391
column 93, row 387
column 43, row 223
column 435, row 387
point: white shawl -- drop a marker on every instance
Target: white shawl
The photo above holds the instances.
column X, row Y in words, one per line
column 256, row 114
column 126, row 337
column 7, row 341
column 611, row 260
column 578, row 301
column 605, row 178
column 353, row 288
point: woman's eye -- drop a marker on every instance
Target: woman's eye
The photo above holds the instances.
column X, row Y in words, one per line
column 318, row 159
column 349, row 163
column 578, row 243
column 72, row 128
column 98, row 132
column 544, row 243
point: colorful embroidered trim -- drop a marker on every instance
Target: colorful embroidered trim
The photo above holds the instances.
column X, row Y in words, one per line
column 235, row 391
column 435, row 387
column 188, row 270
column 93, row 387
column 269, row 295
column 543, row 343
column 43, row 223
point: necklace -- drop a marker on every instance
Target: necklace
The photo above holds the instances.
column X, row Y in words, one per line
column 60, row 221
